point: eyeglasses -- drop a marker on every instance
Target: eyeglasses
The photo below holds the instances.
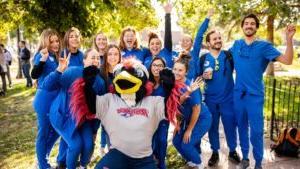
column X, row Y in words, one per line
column 158, row 65
column 217, row 67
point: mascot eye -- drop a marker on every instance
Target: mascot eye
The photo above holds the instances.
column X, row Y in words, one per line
column 139, row 72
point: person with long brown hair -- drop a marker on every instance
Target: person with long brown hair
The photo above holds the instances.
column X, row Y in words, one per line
column 72, row 42
column 111, row 58
column 45, row 62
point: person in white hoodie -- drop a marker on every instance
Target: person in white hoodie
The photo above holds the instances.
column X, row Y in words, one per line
column 8, row 59
column 3, row 71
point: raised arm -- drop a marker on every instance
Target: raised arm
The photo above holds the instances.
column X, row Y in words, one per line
column 199, row 37
column 287, row 57
column 168, row 32
column 39, row 62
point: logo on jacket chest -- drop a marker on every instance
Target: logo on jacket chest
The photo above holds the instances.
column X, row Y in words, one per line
column 129, row 112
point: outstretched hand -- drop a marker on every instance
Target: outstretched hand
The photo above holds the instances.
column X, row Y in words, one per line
column 195, row 84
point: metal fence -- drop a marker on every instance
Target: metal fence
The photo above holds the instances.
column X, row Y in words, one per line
column 282, row 104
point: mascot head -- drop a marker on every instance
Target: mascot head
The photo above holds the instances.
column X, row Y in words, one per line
column 131, row 81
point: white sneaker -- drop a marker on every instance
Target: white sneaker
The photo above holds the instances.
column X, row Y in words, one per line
column 195, row 166
column 81, row 167
column 191, row 164
column 200, row 166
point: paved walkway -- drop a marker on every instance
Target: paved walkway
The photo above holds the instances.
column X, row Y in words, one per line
column 271, row 161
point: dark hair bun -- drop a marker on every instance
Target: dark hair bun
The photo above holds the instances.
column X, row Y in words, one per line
column 184, row 57
column 151, row 36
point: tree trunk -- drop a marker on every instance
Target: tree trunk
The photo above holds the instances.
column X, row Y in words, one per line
column 270, row 37
column 19, row 74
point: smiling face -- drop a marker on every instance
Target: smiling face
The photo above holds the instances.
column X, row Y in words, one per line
column 156, row 67
column 129, row 39
column 215, row 41
column 92, row 58
column 155, row 46
column 249, row 27
column 74, row 40
column 179, row 71
column 186, row 43
column 101, row 41
column 54, row 44
column 113, row 57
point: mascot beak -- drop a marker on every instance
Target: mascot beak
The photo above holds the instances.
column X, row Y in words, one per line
column 126, row 83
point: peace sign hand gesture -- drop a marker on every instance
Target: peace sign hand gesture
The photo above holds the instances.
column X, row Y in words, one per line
column 63, row 62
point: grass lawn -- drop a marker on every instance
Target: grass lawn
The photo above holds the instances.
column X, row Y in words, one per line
column 18, row 128
column 18, row 132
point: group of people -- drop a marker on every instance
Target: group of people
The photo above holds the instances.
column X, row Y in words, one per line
column 6, row 61
column 239, row 102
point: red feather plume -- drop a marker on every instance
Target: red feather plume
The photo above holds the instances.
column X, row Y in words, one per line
column 79, row 109
column 173, row 103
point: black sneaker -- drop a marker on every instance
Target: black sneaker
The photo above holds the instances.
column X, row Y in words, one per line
column 234, row 157
column 214, row 159
column 61, row 166
column 258, row 167
column 2, row 93
column 245, row 164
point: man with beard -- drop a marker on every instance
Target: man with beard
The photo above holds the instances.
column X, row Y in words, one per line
column 251, row 57
column 217, row 66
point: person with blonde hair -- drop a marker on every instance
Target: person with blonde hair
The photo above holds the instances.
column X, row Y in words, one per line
column 77, row 138
column 100, row 43
column 45, row 62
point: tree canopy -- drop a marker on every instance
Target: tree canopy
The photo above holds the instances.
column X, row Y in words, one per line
column 89, row 16
column 228, row 13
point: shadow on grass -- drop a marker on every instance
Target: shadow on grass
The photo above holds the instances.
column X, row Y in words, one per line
column 18, row 128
